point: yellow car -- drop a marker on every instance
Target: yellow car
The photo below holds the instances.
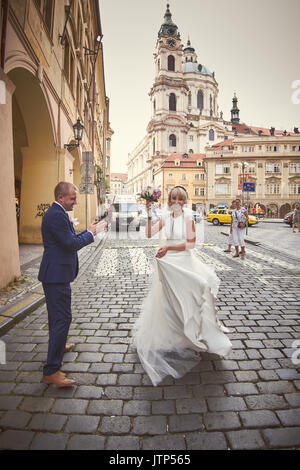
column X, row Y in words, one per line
column 223, row 216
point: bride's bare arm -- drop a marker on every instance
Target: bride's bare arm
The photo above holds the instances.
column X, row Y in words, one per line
column 152, row 229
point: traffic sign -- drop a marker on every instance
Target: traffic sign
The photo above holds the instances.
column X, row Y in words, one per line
column 86, row 188
column 250, row 187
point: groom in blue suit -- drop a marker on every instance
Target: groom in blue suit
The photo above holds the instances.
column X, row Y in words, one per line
column 59, row 267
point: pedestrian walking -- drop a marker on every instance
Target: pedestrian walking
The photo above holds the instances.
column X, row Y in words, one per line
column 59, row 267
column 296, row 218
column 239, row 220
column 230, row 238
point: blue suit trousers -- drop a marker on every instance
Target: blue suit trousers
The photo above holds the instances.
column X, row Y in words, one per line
column 58, row 300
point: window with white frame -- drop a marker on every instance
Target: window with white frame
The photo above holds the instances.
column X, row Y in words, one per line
column 197, row 191
column 222, row 188
column 202, row 191
column 295, row 148
column 251, row 169
column 272, row 167
column 183, row 176
column 191, row 138
column 222, row 168
column 248, row 148
column 295, row 167
column 295, row 188
column 197, row 176
column 273, row 148
column 273, row 188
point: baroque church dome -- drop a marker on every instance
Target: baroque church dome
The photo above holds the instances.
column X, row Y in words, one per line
column 194, row 67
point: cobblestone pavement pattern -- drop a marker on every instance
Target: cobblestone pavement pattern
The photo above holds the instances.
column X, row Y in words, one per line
column 251, row 400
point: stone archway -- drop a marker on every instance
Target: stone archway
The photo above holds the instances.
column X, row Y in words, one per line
column 35, row 156
column 284, row 209
column 273, row 210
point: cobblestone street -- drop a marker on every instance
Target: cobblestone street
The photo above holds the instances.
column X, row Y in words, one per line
column 251, row 400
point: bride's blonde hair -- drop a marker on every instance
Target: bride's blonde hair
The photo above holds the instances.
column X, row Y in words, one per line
column 177, row 191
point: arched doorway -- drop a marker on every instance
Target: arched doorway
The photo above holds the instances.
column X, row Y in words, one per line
column 284, row 210
column 273, row 210
column 35, row 156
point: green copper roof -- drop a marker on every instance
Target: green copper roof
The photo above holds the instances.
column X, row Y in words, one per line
column 168, row 28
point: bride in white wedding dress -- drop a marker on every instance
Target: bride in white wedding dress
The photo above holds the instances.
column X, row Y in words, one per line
column 178, row 317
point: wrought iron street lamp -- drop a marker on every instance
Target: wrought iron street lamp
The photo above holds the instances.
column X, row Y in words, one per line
column 78, row 129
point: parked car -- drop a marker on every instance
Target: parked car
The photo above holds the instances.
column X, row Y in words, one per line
column 223, row 216
column 288, row 218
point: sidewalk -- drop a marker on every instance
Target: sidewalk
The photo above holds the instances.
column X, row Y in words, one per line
column 23, row 298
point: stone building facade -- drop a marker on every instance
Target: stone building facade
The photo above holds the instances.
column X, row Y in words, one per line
column 272, row 162
column 52, row 66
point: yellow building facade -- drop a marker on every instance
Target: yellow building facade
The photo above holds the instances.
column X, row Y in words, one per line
column 186, row 170
column 53, row 75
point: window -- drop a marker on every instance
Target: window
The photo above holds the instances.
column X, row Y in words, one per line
column 197, row 176
column 222, row 188
column 248, row 148
column 197, row 191
column 183, row 176
column 46, row 8
column 211, row 134
column 294, row 167
column 272, row 167
column 190, row 99
column 295, row 148
column 294, row 188
column 172, row 102
column 191, row 138
column 69, row 64
column 273, row 188
column 170, row 176
column 273, row 148
column 79, row 94
column 251, row 168
column 172, row 140
column 200, row 100
column 171, row 63
column 202, row 191
column 222, row 168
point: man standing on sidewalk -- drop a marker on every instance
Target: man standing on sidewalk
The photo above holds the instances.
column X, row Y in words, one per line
column 59, row 267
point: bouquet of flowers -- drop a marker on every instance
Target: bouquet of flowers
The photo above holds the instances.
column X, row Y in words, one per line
column 150, row 194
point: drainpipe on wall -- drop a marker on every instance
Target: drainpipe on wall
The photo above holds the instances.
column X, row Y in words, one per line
column 5, row 8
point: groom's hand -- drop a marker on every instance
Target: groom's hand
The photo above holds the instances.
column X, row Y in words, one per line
column 97, row 227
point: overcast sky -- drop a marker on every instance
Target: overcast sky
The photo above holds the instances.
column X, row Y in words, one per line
column 251, row 45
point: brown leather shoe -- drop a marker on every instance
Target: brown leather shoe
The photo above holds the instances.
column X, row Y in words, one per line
column 58, row 379
column 69, row 347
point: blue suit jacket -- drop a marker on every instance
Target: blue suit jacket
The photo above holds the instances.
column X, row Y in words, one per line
column 60, row 259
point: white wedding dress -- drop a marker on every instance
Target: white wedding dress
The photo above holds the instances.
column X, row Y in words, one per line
column 178, row 317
